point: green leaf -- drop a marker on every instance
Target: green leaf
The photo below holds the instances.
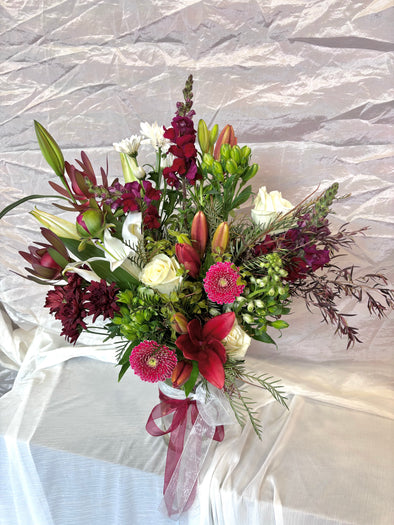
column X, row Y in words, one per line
column 119, row 276
column 123, row 370
column 58, row 258
column 264, row 338
column 28, row 198
column 279, row 325
column 188, row 386
column 50, row 149
column 242, row 197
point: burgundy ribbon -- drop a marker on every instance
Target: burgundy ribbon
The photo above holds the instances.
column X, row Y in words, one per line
column 177, row 429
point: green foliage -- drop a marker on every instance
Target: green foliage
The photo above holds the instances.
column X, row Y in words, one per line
column 226, row 179
column 242, row 405
column 190, row 383
column 139, row 316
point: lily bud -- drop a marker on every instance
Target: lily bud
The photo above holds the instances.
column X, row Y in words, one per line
column 220, row 238
column 90, row 223
column 57, row 225
column 236, row 154
column 181, row 373
column 213, row 135
column 231, row 166
column 217, row 170
column 227, row 136
column 199, row 232
column 246, row 151
column 190, row 259
column 203, row 136
column 179, row 323
column 208, row 160
column 50, row 150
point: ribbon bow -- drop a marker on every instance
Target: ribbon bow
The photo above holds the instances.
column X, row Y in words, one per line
column 186, row 450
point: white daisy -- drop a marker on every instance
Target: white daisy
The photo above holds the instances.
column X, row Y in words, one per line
column 128, row 146
column 155, row 136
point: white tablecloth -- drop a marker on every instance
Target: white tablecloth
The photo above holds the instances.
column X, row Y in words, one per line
column 74, row 448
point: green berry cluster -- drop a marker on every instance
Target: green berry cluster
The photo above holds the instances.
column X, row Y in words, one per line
column 265, row 297
column 139, row 317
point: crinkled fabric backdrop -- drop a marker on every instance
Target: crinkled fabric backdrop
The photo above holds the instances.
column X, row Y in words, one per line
column 308, row 86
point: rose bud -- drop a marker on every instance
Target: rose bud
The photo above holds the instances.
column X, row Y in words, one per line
column 199, row 232
column 181, row 373
column 90, row 223
column 179, row 323
column 220, row 238
column 190, row 259
column 227, row 136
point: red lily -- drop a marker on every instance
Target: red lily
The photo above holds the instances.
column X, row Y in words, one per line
column 181, row 373
column 203, row 344
column 199, row 232
column 227, row 136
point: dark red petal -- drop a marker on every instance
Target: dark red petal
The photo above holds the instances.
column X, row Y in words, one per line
column 211, row 367
column 213, row 345
column 189, row 350
column 219, row 327
column 194, row 329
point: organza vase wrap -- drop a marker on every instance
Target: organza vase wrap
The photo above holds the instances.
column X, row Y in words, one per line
column 192, row 422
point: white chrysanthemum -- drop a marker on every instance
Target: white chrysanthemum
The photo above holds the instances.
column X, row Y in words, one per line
column 128, row 146
column 155, row 136
column 167, row 161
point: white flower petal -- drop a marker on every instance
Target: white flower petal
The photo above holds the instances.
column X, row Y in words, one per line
column 131, row 230
column 128, row 146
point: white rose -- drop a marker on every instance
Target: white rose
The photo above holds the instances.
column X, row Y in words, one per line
column 237, row 342
column 267, row 206
column 161, row 274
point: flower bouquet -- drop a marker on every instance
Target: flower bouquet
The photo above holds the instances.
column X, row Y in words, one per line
column 181, row 281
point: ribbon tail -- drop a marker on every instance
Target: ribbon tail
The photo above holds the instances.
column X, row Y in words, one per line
column 181, row 490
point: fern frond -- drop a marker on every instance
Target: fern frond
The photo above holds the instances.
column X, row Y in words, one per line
column 243, row 408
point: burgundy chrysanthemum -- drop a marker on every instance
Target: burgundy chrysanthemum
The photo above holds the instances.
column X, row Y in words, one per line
column 66, row 304
column 100, row 299
column 152, row 361
column 220, row 283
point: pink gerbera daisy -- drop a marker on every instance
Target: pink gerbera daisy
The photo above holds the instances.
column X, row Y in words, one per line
column 152, row 361
column 221, row 283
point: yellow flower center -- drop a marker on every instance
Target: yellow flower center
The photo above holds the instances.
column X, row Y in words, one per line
column 152, row 362
column 222, row 282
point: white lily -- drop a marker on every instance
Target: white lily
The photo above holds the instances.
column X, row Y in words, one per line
column 117, row 253
column 131, row 230
column 57, row 225
column 88, row 275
